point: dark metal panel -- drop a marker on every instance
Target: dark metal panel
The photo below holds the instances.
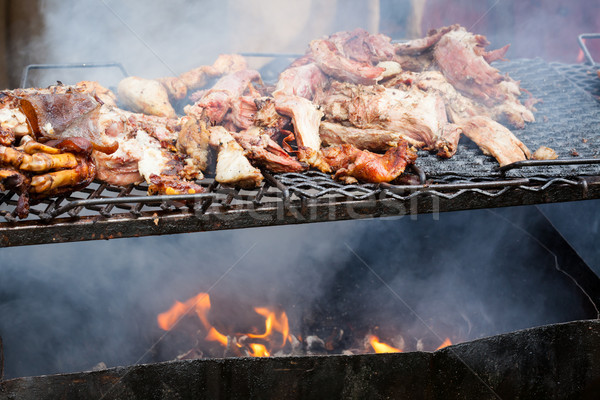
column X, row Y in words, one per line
column 556, row 361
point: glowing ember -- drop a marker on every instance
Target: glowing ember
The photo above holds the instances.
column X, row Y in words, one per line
column 446, row 343
column 381, row 347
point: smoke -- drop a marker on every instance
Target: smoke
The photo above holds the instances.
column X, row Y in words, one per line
column 67, row 307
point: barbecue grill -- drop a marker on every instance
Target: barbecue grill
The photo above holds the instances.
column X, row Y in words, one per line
column 567, row 120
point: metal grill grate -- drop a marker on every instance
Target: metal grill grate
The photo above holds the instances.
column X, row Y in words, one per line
column 470, row 180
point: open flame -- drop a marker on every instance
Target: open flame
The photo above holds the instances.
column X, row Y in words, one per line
column 274, row 337
column 381, row 347
column 445, row 343
column 274, row 322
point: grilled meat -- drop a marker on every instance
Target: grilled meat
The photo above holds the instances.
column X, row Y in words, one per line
column 36, row 170
column 145, row 96
column 306, row 118
column 460, row 55
column 333, row 63
column 544, row 153
column 216, row 102
column 267, row 116
column 193, row 140
column 304, row 81
column 461, row 107
column 233, row 168
column 419, row 46
column 264, row 151
column 351, row 164
column 225, row 64
column 496, row 140
column 413, row 115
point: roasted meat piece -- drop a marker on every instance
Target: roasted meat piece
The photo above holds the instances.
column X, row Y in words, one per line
column 351, row 164
column 35, row 170
column 146, row 148
column 333, row 63
column 414, row 115
column 461, row 57
column 100, row 93
column 193, row 141
column 461, row 107
column 57, row 112
column 544, row 153
column 217, row 101
column 233, row 168
column 264, row 151
column 267, row 116
column 304, row 81
column 496, row 140
column 225, row 64
column 146, row 96
column 422, row 45
column 306, row 118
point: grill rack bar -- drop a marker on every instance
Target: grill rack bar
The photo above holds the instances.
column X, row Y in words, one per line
column 581, row 40
column 285, row 199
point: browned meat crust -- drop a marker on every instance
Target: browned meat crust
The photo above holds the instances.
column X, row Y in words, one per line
column 351, row 164
column 264, row 151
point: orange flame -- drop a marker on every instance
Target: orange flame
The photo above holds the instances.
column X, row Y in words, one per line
column 216, row 336
column 272, row 322
column 380, row 347
column 259, row 350
column 446, row 343
column 201, row 302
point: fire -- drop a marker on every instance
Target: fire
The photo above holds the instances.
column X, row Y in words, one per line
column 201, row 303
column 259, row 350
column 274, row 322
column 216, row 336
column 445, row 343
column 381, row 347
column 252, row 344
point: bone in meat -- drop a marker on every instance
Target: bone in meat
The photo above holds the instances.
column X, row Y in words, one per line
column 306, row 118
column 495, row 139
